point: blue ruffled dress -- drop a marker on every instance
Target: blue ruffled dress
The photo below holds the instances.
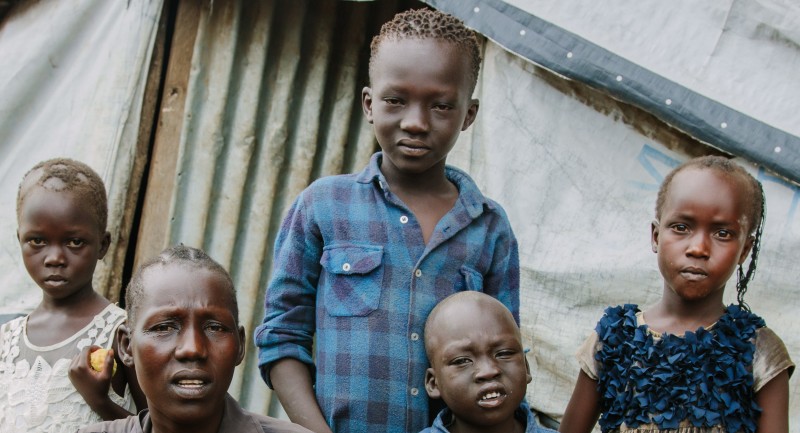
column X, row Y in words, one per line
column 702, row 381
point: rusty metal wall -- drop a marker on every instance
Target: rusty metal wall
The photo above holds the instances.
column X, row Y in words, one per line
column 260, row 99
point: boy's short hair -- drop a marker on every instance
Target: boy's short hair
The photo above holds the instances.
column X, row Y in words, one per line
column 466, row 296
column 430, row 24
column 69, row 175
column 177, row 255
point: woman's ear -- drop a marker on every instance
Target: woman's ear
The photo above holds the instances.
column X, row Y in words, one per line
column 240, row 356
column 124, row 345
column 430, row 384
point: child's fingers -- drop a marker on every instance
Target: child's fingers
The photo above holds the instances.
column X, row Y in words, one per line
column 109, row 363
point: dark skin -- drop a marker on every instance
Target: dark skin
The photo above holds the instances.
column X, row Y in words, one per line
column 185, row 343
column 478, row 366
column 61, row 243
column 419, row 102
column 701, row 237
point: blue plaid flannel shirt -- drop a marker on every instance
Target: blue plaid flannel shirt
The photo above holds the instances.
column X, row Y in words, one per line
column 351, row 267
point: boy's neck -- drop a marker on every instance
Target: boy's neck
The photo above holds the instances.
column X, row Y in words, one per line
column 430, row 182
column 429, row 195
column 512, row 425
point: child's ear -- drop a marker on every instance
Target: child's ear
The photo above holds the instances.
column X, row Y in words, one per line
column 654, row 235
column 528, row 376
column 430, row 384
column 124, row 345
column 748, row 245
column 366, row 102
column 104, row 244
column 240, row 355
column 472, row 112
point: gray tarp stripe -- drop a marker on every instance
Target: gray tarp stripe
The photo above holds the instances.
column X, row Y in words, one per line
column 548, row 45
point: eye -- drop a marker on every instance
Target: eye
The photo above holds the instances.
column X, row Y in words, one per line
column 162, row 328
column 506, row 354
column 216, row 327
column 442, row 107
column 392, row 101
column 75, row 243
column 725, row 234
column 680, row 228
column 36, row 242
column 461, row 361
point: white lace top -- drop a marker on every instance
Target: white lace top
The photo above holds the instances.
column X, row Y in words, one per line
column 35, row 392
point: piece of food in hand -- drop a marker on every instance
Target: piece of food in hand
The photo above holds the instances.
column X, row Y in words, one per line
column 98, row 358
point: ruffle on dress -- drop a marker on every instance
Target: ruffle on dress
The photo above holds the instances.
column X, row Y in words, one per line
column 704, row 376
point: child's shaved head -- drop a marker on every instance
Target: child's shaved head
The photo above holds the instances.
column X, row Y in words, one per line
column 443, row 312
column 430, row 24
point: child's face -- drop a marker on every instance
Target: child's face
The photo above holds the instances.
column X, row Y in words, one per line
column 61, row 242
column 478, row 366
column 185, row 342
column 703, row 233
column 419, row 102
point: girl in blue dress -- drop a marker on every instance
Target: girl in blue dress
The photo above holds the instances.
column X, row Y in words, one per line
column 689, row 364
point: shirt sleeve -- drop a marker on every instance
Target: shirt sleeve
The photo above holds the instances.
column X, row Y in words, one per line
column 502, row 280
column 771, row 358
column 585, row 356
column 287, row 330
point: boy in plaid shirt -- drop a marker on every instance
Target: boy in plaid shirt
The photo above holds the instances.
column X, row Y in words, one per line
column 362, row 259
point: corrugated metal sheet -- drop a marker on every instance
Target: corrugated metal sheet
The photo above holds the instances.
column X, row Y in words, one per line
column 260, row 99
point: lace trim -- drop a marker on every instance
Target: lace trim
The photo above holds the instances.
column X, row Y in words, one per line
column 36, row 396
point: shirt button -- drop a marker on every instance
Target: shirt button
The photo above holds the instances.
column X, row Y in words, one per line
column 414, row 391
column 418, row 273
column 403, row 219
column 414, row 336
column 346, row 267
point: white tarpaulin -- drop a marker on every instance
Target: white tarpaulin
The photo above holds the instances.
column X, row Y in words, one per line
column 742, row 53
column 71, row 84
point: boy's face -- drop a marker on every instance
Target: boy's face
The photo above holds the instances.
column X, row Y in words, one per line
column 478, row 366
column 61, row 242
column 184, row 344
column 419, row 102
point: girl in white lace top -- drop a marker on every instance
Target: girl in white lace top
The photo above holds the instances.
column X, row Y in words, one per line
column 46, row 381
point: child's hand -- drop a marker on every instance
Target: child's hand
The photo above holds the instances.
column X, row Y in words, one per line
column 93, row 385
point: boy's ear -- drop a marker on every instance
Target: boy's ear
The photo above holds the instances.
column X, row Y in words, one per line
column 472, row 112
column 124, row 345
column 104, row 244
column 528, row 377
column 366, row 102
column 430, row 384
column 654, row 235
column 240, row 355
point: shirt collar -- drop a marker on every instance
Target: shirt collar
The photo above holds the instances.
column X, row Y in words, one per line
column 233, row 419
column 468, row 192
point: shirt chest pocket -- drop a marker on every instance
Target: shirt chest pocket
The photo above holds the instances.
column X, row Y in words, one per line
column 352, row 278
